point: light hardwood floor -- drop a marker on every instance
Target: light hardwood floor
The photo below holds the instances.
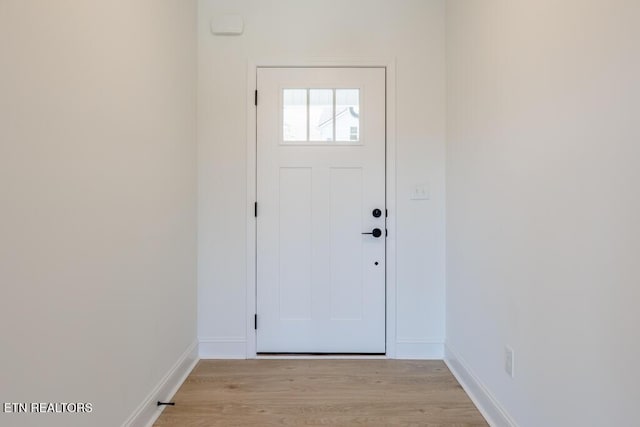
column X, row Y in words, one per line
column 320, row 392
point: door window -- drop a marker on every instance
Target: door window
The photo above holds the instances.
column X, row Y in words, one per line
column 321, row 116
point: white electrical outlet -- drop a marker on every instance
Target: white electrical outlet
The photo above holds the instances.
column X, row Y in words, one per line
column 508, row 361
column 420, row 192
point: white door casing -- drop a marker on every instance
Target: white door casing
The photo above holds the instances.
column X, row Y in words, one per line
column 320, row 282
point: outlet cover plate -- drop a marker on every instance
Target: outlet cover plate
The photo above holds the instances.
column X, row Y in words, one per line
column 509, row 361
column 421, row 192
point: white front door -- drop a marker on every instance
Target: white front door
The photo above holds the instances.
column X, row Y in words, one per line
column 320, row 187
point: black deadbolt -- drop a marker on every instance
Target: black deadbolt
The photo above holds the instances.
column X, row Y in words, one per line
column 377, row 213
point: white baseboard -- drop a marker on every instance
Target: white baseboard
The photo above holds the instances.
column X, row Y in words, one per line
column 148, row 411
column 486, row 403
column 223, row 348
column 419, row 349
column 236, row 348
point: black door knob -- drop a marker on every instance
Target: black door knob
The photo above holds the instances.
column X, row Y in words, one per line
column 377, row 213
column 376, row 232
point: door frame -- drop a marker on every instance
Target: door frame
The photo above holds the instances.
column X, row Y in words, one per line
column 390, row 160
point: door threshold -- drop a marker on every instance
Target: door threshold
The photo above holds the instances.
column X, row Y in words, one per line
column 327, row 356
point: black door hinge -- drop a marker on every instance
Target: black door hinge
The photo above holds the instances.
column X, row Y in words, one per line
column 255, row 209
column 386, row 213
column 256, row 98
column 255, row 322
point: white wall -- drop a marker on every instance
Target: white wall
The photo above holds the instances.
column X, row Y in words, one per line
column 412, row 32
column 543, row 205
column 97, row 202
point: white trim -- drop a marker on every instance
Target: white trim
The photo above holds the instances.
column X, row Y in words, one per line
column 390, row 67
column 252, row 76
column 419, row 349
column 321, row 357
column 148, row 412
column 223, row 348
column 486, row 403
column 391, row 207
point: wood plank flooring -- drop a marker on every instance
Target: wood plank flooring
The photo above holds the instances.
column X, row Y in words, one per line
column 320, row 393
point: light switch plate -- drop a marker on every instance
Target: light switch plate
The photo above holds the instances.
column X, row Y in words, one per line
column 420, row 192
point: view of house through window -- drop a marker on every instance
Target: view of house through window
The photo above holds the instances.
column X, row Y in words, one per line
column 321, row 115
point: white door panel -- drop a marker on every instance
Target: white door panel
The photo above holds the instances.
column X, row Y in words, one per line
column 321, row 173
